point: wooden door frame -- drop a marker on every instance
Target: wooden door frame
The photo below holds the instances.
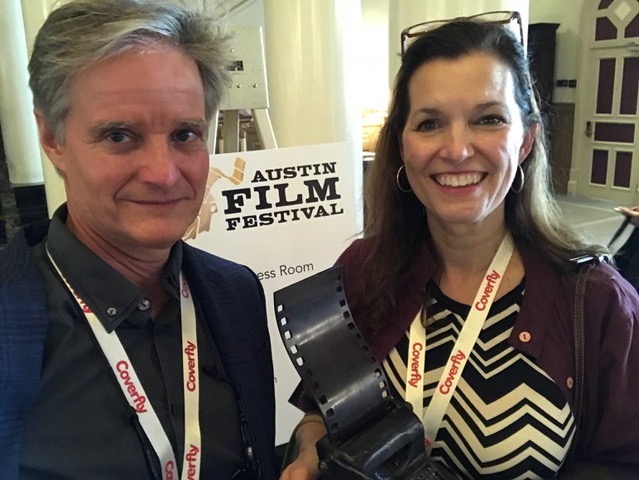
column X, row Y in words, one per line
column 585, row 86
column 588, row 13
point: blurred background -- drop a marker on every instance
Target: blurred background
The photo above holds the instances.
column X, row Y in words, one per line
column 327, row 67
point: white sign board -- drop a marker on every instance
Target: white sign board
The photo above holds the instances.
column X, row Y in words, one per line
column 287, row 214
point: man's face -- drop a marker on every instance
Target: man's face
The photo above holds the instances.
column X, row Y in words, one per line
column 134, row 159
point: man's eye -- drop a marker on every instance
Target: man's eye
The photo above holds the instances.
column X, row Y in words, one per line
column 118, row 137
column 186, row 135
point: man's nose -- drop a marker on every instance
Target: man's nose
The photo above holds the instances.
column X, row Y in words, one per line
column 159, row 163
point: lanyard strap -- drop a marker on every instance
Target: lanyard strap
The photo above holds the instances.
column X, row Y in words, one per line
column 191, row 379
column 468, row 336
column 134, row 391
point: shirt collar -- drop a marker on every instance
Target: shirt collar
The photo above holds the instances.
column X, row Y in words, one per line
column 110, row 295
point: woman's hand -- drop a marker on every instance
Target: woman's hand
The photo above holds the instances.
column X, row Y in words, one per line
column 305, row 466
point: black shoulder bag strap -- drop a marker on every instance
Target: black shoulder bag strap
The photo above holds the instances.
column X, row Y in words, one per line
column 580, row 345
column 580, row 355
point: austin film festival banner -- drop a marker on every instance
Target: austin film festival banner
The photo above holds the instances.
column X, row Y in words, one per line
column 286, row 213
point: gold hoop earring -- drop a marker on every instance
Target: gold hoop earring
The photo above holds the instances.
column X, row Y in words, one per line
column 518, row 175
column 398, row 180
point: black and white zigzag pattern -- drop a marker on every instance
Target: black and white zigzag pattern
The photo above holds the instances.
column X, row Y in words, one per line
column 507, row 418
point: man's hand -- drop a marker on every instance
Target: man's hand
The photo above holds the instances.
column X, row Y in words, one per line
column 631, row 213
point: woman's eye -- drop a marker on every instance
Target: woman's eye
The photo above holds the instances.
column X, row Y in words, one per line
column 492, row 120
column 427, row 125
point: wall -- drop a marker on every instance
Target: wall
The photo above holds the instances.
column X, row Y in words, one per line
column 567, row 13
column 373, row 56
column 375, row 18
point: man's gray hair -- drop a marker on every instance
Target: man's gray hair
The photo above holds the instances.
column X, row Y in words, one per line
column 82, row 32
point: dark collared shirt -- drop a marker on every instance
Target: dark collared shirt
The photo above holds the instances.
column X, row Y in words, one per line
column 81, row 425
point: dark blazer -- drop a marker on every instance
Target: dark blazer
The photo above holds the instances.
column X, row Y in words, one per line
column 229, row 295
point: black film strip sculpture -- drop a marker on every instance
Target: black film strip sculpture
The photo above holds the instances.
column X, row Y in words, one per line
column 371, row 435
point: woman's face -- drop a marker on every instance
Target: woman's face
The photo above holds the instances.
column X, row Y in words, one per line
column 463, row 138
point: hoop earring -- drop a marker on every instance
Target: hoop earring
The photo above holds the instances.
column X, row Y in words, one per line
column 520, row 171
column 398, row 180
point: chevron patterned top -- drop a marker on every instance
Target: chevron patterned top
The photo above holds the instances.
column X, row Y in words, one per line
column 507, row 419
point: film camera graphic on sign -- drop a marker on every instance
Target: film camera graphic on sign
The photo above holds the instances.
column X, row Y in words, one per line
column 269, row 196
column 209, row 207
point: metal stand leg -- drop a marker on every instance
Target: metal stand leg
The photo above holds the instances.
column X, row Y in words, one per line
column 264, row 128
column 231, row 131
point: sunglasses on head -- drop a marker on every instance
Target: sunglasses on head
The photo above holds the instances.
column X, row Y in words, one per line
column 508, row 18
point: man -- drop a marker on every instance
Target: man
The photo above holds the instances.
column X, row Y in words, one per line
column 627, row 256
column 630, row 213
column 125, row 353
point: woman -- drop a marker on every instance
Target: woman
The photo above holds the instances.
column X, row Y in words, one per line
column 460, row 221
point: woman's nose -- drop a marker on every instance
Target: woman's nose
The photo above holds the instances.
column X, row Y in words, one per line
column 457, row 143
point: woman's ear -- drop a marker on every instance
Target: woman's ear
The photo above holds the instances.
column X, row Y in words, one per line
column 527, row 143
column 48, row 141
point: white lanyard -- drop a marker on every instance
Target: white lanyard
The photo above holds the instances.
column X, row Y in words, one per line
column 137, row 397
column 468, row 336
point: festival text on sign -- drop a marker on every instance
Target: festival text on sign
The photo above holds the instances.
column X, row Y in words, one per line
column 278, row 201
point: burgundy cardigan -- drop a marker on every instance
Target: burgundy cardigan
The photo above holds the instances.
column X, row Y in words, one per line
column 544, row 331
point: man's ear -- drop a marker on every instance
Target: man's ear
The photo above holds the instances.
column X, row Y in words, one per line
column 529, row 139
column 50, row 145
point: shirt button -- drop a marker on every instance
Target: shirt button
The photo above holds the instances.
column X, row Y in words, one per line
column 570, row 382
column 144, row 305
column 525, row 337
column 112, row 311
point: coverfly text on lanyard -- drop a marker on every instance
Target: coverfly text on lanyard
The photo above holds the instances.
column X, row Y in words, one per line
column 137, row 397
column 468, row 336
